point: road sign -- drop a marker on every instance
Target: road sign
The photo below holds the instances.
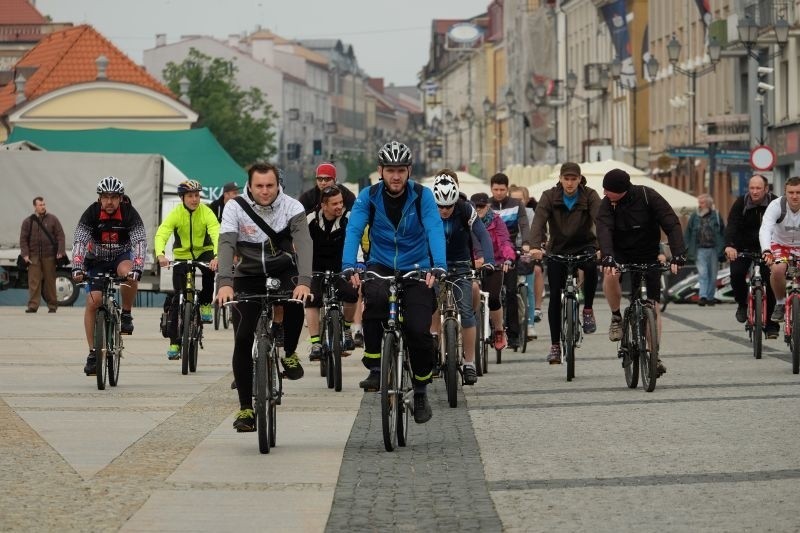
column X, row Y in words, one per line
column 688, row 152
column 762, row 158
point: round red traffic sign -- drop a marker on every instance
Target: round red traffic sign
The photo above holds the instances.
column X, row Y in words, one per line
column 762, row 158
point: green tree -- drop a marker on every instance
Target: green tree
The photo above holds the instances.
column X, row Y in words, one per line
column 240, row 119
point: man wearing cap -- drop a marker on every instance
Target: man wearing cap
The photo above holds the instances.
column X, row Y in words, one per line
column 229, row 190
column 326, row 176
column 568, row 210
column 629, row 225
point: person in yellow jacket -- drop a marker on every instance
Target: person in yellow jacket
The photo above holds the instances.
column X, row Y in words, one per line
column 196, row 230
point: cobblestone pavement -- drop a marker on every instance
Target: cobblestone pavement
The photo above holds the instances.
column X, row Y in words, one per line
column 713, row 448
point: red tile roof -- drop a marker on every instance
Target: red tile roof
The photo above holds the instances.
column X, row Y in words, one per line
column 67, row 58
column 19, row 12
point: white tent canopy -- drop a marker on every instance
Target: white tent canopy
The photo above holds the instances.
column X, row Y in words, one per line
column 594, row 171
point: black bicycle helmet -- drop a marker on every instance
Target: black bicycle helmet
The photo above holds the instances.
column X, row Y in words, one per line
column 394, row 154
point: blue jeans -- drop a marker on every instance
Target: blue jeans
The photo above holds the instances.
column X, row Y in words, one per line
column 707, row 267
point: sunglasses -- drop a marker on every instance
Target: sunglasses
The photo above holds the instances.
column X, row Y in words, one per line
column 333, row 190
column 324, row 178
column 445, row 207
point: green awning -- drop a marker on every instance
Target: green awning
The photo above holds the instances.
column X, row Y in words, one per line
column 195, row 152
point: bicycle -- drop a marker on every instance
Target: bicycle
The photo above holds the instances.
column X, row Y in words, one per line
column 397, row 391
column 190, row 325
column 639, row 345
column 332, row 331
column 450, row 350
column 108, row 345
column 522, row 313
column 267, row 377
column 756, row 302
column 571, row 328
column 792, row 311
column 483, row 329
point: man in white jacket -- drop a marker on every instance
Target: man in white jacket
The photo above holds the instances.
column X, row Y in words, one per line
column 779, row 237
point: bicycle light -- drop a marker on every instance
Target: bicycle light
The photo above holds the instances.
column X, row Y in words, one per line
column 273, row 283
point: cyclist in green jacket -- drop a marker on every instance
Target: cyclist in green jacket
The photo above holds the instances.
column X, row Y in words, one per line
column 196, row 230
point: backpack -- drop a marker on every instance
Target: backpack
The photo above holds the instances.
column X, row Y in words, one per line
column 783, row 210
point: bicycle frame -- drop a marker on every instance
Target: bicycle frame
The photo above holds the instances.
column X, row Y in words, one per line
column 109, row 335
column 191, row 339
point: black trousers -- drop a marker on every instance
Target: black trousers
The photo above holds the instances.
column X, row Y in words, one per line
column 739, row 268
column 556, row 278
column 512, row 311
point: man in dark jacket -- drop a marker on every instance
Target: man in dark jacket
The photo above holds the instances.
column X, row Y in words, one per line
column 326, row 176
column 629, row 225
column 229, row 190
column 568, row 211
column 741, row 235
column 41, row 242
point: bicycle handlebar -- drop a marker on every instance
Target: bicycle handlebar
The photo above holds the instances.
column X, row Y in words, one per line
column 572, row 258
column 642, row 267
column 416, row 275
column 189, row 262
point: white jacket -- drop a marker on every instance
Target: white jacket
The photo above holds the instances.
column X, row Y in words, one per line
column 786, row 233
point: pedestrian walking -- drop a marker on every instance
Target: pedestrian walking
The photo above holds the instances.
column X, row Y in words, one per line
column 705, row 241
column 41, row 242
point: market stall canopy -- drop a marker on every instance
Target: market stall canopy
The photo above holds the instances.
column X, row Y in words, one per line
column 196, row 153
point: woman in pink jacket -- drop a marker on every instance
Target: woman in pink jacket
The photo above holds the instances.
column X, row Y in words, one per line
column 504, row 256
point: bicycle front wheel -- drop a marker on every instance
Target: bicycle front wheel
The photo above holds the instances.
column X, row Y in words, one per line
column 404, row 390
column 197, row 334
column 101, row 346
column 451, row 357
column 479, row 341
column 795, row 334
column 225, row 317
column 389, row 391
column 260, row 388
column 186, row 336
column 522, row 306
column 114, row 352
column 648, row 349
column 217, row 312
column 630, row 353
column 335, row 362
column 275, row 388
column 757, row 334
column 570, row 311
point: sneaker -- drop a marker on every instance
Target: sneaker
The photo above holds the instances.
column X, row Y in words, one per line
column 358, row 339
column 349, row 344
column 741, row 314
column 91, row 364
column 554, row 357
column 174, row 352
column 660, row 368
column 711, row 302
column 316, row 352
column 537, row 315
column 126, row 327
column 589, row 323
column 777, row 314
column 30, row 310
column 422, row 408
column 615, row 329
column 292, row 368
column 206, row 313
column 702, row 302
column 233, row 384
column 499, row 340
column 372, row 381
column 277, row 333
column 772, row 330
column 470, row 375
column 245, row 421
column 513, row 342
column 532, row 332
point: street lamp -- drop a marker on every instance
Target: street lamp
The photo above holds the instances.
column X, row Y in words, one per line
column 616, row 74
column 448, row 120
column 457, row 129
column 595, row 79
column 469, row 116
column 489, row 113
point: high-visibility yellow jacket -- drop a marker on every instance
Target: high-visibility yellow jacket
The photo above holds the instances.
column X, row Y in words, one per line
column 195, row 232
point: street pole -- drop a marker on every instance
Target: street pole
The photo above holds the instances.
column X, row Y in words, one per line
column 588, row 128
column 633, row 136
column 499, row 145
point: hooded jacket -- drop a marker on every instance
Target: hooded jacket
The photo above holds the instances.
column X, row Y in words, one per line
column 501, row 240
column 571, row 230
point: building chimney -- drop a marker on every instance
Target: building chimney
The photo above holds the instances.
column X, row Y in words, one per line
column 102, row 67
column 161, row 39
column 183, row 84
column 19, row 87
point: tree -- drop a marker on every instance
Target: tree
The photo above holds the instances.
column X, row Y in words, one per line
column 241, row 120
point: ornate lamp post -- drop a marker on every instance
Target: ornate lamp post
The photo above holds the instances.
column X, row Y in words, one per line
column 489, row 113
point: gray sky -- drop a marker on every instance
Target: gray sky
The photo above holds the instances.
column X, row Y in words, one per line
column 391, row 39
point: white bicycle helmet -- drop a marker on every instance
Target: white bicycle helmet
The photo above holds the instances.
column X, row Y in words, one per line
column 394, row 154
column 110, row 185
column 445, row 190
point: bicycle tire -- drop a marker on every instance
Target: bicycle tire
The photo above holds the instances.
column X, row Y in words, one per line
column 571, row 316
column 186, row 336
column 403, row 409
column 115, row 351
column 217, row 313
column 795, row 334
column 261, row 398
column 275, row 388
column 197, row 334
column 757, row 333
column 326, row 354
column 335, row 362
column 451, row 361
column 664, row 290
column 100, row 347
column 522, row 314
column 389, row 381
column 226, row 322
column 479, row 341
column 648, row 349
column 630, row 353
